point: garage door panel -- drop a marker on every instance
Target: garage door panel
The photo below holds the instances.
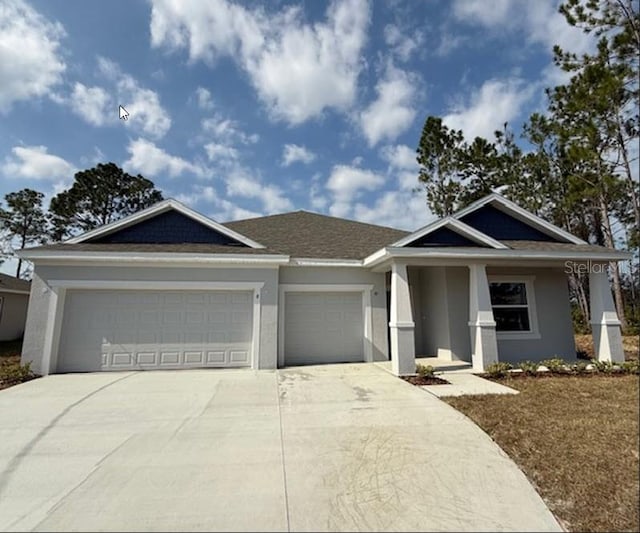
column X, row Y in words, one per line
column 115, row 330
column 323, row 327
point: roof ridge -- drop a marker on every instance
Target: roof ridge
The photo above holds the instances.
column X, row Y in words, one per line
column 314, row 213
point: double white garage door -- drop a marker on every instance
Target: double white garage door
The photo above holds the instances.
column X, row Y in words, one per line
column 146, row 329
column 127, row 329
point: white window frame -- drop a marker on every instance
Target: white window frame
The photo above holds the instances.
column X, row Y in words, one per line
column 533, row 332
column 367, row 315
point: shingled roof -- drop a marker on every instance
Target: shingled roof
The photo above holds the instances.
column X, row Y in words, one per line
column 13, row 284
column 311, row 235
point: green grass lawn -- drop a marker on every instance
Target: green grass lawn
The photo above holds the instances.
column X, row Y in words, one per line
column 576, row 439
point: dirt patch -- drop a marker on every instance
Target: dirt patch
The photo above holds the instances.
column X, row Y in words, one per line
column 630, row 345
column 419, row 380
column 576, row 439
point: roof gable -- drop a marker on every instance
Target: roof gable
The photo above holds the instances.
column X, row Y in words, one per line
column 443, row 237
column 517, row 219
column 169, row 222
column 169, row 227
column 503, row 226
column 447, row 232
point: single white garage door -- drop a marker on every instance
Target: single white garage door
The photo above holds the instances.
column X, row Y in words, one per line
column 323, row 327
column 128, row 329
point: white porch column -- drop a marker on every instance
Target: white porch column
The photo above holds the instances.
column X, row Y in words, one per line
column 484, row 346
column 605, row 325
column 401, row 325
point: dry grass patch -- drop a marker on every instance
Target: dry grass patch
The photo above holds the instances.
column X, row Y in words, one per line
column 11, row 371
column 576, row 439
column 630, row 345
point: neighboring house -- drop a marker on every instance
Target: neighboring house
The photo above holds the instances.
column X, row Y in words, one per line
column 170, row 288
column 14, row 298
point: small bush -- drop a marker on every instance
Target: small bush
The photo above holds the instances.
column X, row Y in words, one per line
column 555, row 365
column 425, row 371
column 631, row 367
column 14, row 374
column 580, row 368
column 498, row 370
column 604, row 367
column 529, row 368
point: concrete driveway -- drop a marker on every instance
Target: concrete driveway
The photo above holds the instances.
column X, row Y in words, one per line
column 340, row 447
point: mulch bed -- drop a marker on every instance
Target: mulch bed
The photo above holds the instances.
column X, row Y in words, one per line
column 419, row 380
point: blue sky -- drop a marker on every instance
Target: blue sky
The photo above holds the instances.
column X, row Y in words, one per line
column 241, row 110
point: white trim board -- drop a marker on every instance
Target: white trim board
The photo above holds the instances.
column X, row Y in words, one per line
column 13, row 291
column 151, row 257
column 156, row 209
column 473, row 255
column 367, row 313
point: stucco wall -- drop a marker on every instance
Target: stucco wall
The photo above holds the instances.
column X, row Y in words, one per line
column 37, row 316
column 443, row 314
column 13, row 315
column 553, row 314
column 38, row 309
column 442, row 311
column 350, row 276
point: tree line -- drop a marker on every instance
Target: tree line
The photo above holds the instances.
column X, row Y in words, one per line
column 579, row 167
column 97, row 196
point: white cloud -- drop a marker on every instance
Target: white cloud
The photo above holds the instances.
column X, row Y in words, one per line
column 30, row 62
column 346, row 183
column 488, row 108
column 151, row 161
column 293, row 153
column 219, row 208
column 146, row 113
column 402, row 43
column 402, row 165
column 227, row 130
column 93, row 104
column 396, row 209
column 539, row 21
column 297, row 69
column 204, row 99
column 240, row 182
column 33, row 162
column 220, row 152
column 393, row 110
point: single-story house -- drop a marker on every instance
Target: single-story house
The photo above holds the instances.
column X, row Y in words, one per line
column 170, row 288
column 14, row 298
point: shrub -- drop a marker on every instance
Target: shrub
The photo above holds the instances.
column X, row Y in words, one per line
column 555, row 365
column 529, row 368
column 14, row 374
column 425, row 371
column 498, row 370
column 580, row 367
column 631, row 367
column 604, row 367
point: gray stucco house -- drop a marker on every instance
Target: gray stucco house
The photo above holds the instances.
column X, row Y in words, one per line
column 170, row 288
column 14, row 298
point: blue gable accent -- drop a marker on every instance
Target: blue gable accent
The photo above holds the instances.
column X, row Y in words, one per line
column 501, row 226
column 443, row 237
column 170, row 227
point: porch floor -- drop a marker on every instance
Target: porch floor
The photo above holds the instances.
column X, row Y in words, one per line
column 439, row 365
column 460, row 376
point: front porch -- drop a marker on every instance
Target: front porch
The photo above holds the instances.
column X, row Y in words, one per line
column 463, row 317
